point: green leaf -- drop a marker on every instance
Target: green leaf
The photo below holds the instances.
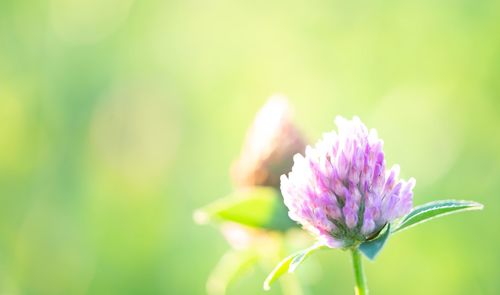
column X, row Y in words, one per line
column 260, row 207
column 290, row 264
column 372, row 247
column 433, row 210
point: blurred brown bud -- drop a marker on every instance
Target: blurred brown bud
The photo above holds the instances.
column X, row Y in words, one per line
column 269, row 146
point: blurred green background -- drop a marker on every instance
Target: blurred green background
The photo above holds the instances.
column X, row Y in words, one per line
column 118, row 118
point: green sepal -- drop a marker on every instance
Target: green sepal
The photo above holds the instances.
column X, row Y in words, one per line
column 372, row 247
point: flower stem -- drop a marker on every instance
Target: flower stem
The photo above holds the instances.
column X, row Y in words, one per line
column 361, row 287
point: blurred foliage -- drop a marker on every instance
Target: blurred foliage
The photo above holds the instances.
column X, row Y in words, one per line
column 258, row 207
column 119, row 118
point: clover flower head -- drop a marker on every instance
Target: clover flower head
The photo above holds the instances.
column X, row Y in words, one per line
column 269, row 146
column 340, row 190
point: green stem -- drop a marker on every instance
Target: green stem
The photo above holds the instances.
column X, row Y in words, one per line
column 361, row 287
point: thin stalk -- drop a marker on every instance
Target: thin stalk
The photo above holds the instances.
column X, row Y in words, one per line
column 361, row 287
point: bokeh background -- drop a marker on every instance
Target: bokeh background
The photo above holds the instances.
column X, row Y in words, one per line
column 118, row 118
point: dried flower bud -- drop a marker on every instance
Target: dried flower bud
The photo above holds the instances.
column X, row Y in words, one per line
column 270, row 144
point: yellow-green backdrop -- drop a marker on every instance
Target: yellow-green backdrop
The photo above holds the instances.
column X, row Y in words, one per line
column 119, row 117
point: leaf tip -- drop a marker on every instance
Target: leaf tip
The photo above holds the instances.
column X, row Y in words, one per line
column 269, row 280
column 478, row 206
column 276, row 273
column 472, row 205
column 266, row 286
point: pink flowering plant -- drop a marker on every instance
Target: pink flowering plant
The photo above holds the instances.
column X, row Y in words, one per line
column 340, row 191
column 343, row 194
